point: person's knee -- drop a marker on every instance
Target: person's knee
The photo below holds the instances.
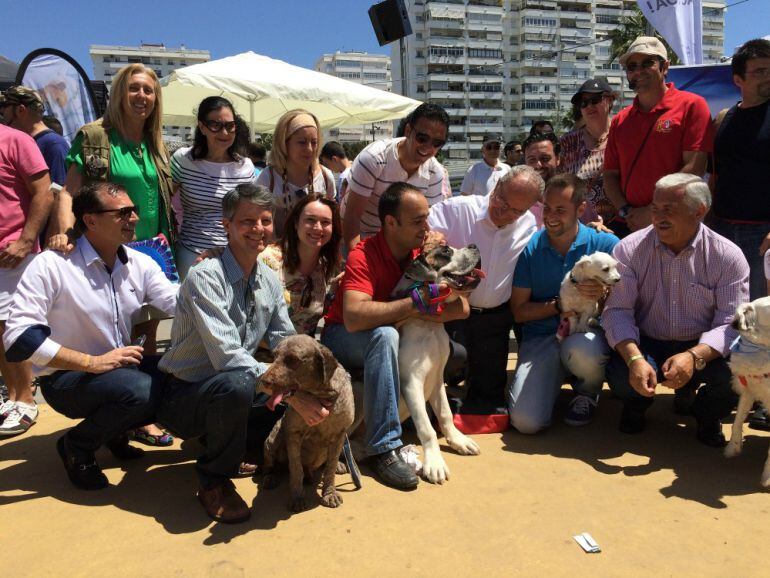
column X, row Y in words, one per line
column 526, row 423
column 236, row 387
column 384, row 340
column 131, row 387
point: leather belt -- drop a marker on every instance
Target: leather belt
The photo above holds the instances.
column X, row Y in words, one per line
column 487, row 310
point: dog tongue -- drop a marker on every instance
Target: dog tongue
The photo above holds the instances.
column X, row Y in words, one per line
column 274, row 400
column 479, row 273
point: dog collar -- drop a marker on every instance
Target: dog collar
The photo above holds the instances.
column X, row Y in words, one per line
column 744, row 378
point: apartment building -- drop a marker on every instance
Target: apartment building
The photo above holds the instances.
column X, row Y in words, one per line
column 163, row 60
column 498, row 65
column 364, row 68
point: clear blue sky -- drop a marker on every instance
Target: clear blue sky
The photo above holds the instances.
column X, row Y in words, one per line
column 297, row 31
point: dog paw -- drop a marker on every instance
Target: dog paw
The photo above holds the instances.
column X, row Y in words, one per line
column 297, row 504
column 464, row 445
column 342, row 468
column 269, row 482
column 732, row 450
column 331, row 499
column 435, row 470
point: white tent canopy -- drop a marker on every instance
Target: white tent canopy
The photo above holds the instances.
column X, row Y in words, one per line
column 262, row 89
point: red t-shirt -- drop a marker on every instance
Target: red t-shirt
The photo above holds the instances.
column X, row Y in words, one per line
column 371, row 269
column 680, row 122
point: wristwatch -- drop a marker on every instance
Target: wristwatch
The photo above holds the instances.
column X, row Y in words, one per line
column 700, row 363
column 623, row 211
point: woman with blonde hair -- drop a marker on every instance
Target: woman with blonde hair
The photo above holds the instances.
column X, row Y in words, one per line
column 294, row 170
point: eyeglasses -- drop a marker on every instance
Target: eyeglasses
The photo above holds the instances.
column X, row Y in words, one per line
column 594, row 100
column 646, row 63
column 423, row 138
column 216, row 126
column 759, row 73
column 496, row 198
column 123, row 213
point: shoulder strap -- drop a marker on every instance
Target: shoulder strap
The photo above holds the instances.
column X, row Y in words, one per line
column 641, row 148
column 720, row 117
column 95, row 152
column 272, row 178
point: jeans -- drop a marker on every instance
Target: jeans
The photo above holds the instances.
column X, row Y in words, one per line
column 109, row 403
column 376, row 351
column 184, row 259
column 543, row 366
column 714, row 400
column 217, row 411
column 748, row 237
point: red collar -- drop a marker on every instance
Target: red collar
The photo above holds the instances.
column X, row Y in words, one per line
column 744, row 381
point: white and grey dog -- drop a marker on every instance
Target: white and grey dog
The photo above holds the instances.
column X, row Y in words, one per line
column 423, row 352
column 580, row 312
column 750, row 364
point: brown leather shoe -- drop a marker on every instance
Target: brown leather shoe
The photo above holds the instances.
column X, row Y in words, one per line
column 223, row 504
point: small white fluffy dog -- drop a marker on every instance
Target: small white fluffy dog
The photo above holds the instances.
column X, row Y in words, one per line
column 750, row 364
column 599, row 267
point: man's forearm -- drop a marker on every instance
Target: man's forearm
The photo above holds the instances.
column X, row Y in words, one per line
column 628, row 349
column 71, row 360
column 612, row 189
column 371, row 314
column 62, row 218
column 533, row 311
column 39, row 210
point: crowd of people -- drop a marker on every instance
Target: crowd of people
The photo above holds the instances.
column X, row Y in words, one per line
column 267, row 249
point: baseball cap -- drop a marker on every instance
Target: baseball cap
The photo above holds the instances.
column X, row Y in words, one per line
column 492, row 138
column 22, row 95
column 645, row 45
column 591, row 86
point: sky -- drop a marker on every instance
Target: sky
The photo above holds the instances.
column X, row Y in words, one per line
column 297, row 31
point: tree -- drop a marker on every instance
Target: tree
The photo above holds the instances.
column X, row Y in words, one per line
column 629, row 28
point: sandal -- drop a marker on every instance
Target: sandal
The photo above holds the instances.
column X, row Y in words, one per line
column 139, row 435
column 246, row 470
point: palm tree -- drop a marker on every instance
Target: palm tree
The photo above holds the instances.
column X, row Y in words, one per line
column 629, row 28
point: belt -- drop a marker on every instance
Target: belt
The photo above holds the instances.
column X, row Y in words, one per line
column 486, row 310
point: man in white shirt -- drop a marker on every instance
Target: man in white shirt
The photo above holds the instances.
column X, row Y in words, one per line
column 410, row 159
column 72, row 317
column 334, row 158
column 500, row 225
column 482, row 177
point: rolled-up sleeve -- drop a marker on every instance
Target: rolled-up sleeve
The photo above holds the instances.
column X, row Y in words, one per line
column 731, row 291
column 618, row 318
column 159, row 291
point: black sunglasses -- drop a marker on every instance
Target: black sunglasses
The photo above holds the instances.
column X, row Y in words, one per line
column 216, row 126
column 584, row 103
column 423, row 138
column 124, row 213
column 646, row 63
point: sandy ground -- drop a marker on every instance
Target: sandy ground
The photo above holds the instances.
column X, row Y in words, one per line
column 658, row 504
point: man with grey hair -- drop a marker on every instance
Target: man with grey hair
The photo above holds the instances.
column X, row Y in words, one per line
column 668, row 320
column 500, row 225
column 227, row 305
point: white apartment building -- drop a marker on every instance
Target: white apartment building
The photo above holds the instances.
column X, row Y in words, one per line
column 363, row 68
column 498, row 65
column 163, row 60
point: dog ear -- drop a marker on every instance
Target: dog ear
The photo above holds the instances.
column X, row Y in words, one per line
column 749, row 318
column 579, row 267
column 325, row 362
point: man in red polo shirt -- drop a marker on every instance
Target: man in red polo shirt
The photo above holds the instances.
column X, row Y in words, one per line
column 359, row 328
column 663, row 131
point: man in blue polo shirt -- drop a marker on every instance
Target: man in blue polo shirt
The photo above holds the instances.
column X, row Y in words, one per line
column 544, row 363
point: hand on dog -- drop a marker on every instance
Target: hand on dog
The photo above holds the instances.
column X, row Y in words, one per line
column 677, row 370
column 312, row 409
column 590, row 289
column 642, row 377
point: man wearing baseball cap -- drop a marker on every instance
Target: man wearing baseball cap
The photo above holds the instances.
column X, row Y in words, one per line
column 482, row 177
column 23, row 109
column 663, row 131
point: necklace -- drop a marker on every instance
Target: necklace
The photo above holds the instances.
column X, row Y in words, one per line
column 597, row 141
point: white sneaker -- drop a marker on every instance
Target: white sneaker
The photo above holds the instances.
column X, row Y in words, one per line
column 19, row 419
column 5, row 409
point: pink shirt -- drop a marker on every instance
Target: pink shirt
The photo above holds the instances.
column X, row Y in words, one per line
column 692, row 295
column 20, row 159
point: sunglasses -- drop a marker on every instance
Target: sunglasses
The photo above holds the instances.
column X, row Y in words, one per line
column 594, row 100
column 124, row 213
column 424, row 139
column 647, row 63
column 216, row 126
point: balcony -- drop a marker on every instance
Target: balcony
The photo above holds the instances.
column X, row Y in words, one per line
column 446, row 95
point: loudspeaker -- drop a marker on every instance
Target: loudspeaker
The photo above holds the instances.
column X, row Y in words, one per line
column 390, row 21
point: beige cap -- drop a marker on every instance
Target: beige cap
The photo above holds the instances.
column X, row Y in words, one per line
column 645, row 45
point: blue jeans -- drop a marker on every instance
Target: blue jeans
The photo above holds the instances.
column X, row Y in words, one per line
column 748, row 237
column 376, row 351
column 184, row 258
column 109, row 403
column 543, row 366
column 215, row 410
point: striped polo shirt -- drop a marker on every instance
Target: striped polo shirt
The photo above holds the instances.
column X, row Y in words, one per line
column 377, row 167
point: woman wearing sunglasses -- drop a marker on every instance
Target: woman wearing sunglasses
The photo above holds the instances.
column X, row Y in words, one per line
column 204, row 172
column 582, row 150
column 294, row 170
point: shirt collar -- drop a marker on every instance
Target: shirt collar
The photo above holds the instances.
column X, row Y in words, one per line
column 664, row 103
column 382, row 246
column 580, row 239
column 90, row 255
column 233, row 271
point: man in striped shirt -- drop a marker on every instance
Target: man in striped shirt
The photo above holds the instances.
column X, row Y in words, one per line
column 227, row 306
column 668, row 319
column 410, row 159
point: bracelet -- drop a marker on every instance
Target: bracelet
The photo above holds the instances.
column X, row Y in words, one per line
column 634, row 358
column 87, row 363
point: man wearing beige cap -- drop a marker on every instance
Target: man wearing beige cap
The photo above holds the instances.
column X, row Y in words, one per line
column 482, row 177
column 663, row 131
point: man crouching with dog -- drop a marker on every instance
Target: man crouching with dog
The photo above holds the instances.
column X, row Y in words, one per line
column 669, row 318
column 227, row 305
column 544, row 362
column 359, row 328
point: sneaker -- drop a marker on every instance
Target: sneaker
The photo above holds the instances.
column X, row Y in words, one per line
column 581, row 410
column 20, row 418
column 5, row 409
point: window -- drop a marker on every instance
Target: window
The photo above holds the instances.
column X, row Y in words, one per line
column 540, row 22
column 485, row 53
column 448, row 51
column 539, row 104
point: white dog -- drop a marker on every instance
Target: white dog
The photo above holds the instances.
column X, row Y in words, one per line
column 750, row 364
column 580, row 312
column 423, row 352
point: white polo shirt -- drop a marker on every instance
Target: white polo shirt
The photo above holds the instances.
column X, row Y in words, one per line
column 377, row 167
column 465, row 220
column 75, row 302
column 481, row 178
